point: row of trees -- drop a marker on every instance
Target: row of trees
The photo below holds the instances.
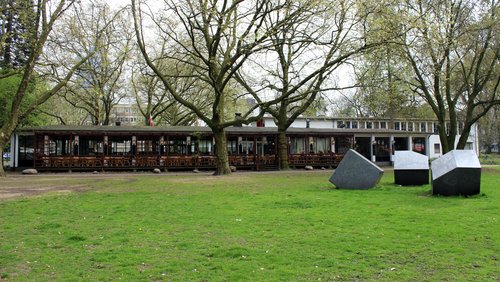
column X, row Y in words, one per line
column 187, row 60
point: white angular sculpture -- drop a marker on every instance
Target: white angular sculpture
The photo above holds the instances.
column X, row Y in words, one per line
column 458, row 172
column 411, row 168
column 356, row 172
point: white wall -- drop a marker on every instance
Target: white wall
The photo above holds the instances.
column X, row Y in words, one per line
column 434, row 139
column 301, row 123
column 329, row 123
column 321, row 123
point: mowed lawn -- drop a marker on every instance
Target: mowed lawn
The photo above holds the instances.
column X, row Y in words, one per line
column 291, row 226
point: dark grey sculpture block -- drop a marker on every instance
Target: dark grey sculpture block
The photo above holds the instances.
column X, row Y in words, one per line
column 458, row 172
column 356, row 172
column 411, row 168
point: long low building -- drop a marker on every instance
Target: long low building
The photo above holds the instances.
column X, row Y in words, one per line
column 142, row 147
column 316, row 142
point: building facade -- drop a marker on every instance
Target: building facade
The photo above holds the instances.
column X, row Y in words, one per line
column 319, row 142
column 126, row 114
column 378, row 138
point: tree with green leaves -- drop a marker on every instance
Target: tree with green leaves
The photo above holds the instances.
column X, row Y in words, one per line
column 100, row 83
column 452, row 47
column 41, row 39
column 382, row 90
column 304, row 58
column 15, row 25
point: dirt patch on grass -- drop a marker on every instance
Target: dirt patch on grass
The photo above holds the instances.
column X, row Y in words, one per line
column 18, row 186
column 16, row 192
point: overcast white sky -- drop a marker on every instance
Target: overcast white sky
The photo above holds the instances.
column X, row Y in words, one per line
column 118, row 3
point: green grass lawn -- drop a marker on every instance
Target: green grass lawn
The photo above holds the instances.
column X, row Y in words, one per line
column 250, row 226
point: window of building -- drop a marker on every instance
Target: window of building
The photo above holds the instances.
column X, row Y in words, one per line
column 246, row 146
column 355, row 124
column 410, row 126
column 468, row 146
column 435, row 128
column 205, row 146
column 60, row 146
column 423, row 127
column 383, row 124
column 120, row 146
column 437, row 148
column 232, row 145
column 369, row 124
column 90, row 145
column 403, row 126
column 340, row 124
column 177, row 146
column 297, row 145
column 320, row 145
column 348, row 124
column 145, row 146
column 397, row 125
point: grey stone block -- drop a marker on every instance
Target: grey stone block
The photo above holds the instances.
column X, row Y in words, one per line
column 458, row 172
column 410, row 168
column 30, row 171
column 356, row 172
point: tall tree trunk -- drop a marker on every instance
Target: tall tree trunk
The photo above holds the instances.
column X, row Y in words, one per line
column 283, row 149
column 443, row 137
column 222, row 159
column 2, row 170
column 451, row 141
column 462, row 141
column 5, row 133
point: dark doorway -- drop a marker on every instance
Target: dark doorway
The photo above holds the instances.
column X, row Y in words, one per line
column 400, row 144
column 362, row 146
column 382, row 149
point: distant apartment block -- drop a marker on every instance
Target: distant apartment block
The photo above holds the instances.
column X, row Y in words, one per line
column 126, row 114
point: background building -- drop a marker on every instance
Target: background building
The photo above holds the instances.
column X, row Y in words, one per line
column 378, row 138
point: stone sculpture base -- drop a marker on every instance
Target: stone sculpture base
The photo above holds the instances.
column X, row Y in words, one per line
column 411, row 177
column 460, row 181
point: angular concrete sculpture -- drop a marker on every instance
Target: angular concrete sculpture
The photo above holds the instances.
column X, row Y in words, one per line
column 411, row 168
column 458, row 172
column 356, row 172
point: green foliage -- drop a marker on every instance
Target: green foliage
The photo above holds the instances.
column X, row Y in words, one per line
column 8, row 89
column 263, row 227
column 16, row 28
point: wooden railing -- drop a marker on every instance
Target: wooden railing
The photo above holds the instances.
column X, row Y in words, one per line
column 179, row 162
column 324, row 160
